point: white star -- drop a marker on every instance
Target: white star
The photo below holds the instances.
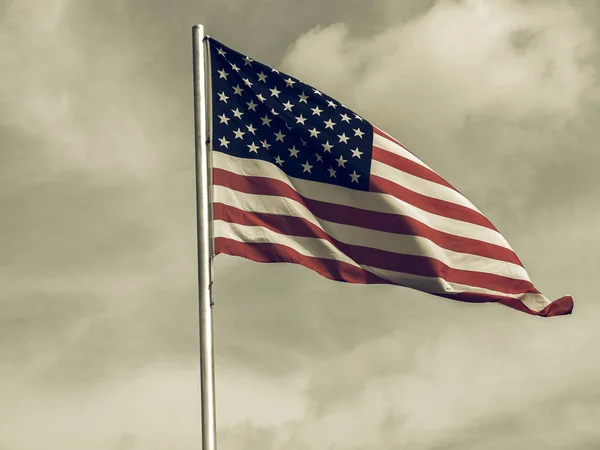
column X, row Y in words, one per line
column 251, row 129
column 343, row 138
column 300, row 119
column 275, row 113
column 289, row 82
column 237, row 113
column 314, row 132
column 224, row 142
column 358, row 132
column 341, row 161
column 306, row 167
column 224, row 119
column 327, row 147
column 234, row 67
column 331, row 173
column 288, row 127
column 223, row 97
column 345, row 118
column 293, row 151
column 247, row 61
column 274, row 70
column 278, row 160
column 329, row 124
column 237, row 90
column 251, row 105
column 222, row 73
column 358, row 117
column 247, row 82
column 287, row 106
column 260, row 98
column 303, row 98
column 239, row 134
column 266, row 121
column 303, row 142
column 275, row 92
column 221, row 52
column 262, row 77
column 354, row 176
column 356, row 152
column 317, row 92
column 253, row 148
column 319, row 157
column 265, row 144
column 331, row 104
column 316, row 110
column 279, row 136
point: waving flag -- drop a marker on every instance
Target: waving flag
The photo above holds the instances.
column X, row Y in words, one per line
column 300, row 178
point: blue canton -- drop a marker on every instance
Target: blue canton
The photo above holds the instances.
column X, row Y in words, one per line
column 261, row 113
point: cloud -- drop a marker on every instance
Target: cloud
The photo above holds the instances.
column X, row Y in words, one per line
column 485, row 88
column 451, row 394
column 461, row 58
column 98, row 335
column 50, row 97
column 500, row 96
column 117, row 414
column 151, row 407
column 98, row 193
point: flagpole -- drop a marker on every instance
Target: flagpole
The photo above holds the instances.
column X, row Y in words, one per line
column 202, row 139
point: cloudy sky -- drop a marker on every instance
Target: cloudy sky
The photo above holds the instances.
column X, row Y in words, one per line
column 98, row 298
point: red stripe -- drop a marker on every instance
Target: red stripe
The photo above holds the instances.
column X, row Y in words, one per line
column 341, row 271
column 429, row 204
column 389, row 138
column 408, row 166
column 265, row 252
column 390, row 223
column 410, row 264
column 560, row 307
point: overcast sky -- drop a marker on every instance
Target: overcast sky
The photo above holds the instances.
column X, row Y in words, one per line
column 98, row 297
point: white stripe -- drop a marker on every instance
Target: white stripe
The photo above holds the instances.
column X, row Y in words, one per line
column 535, row 302
column 359, row 199
column 420, row 185
column 391, row 146
column 313, row 247
column 348, row 234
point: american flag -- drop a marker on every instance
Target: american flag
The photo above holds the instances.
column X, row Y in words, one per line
column 300, row 178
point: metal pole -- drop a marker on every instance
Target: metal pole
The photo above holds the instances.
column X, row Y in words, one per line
column 207, row 372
